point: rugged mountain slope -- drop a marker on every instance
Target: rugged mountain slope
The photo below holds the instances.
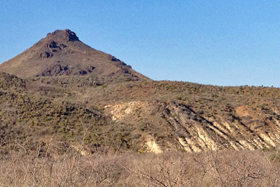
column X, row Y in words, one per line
column 197, row 117
column 61, row 53
column 139, row 116
column 90, row 101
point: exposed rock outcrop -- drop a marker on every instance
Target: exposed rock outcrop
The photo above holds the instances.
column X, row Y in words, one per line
column 195, row 132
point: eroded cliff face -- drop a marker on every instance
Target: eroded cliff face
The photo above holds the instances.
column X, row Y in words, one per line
column 174, row 125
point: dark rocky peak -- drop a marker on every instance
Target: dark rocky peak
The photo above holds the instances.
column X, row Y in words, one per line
column 63, row 35
column 61, row 53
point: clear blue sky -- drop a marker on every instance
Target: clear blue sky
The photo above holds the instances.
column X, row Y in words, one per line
column 219, row 42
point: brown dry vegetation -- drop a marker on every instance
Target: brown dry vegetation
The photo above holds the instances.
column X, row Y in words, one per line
column 170, row 169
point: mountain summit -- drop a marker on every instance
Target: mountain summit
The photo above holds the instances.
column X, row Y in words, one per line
column 61, row 53
column 63, row 35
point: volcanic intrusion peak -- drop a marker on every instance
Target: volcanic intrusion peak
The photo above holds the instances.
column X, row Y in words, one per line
column 61, row 53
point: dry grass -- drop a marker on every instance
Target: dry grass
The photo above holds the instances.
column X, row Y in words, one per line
column 170, row 169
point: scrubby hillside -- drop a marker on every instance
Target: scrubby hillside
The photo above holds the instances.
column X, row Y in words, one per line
column 68, row 92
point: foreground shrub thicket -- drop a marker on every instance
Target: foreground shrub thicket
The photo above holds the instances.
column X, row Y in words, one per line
column 170, row 169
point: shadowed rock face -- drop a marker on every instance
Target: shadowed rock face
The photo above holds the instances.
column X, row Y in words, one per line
column 61, row 53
